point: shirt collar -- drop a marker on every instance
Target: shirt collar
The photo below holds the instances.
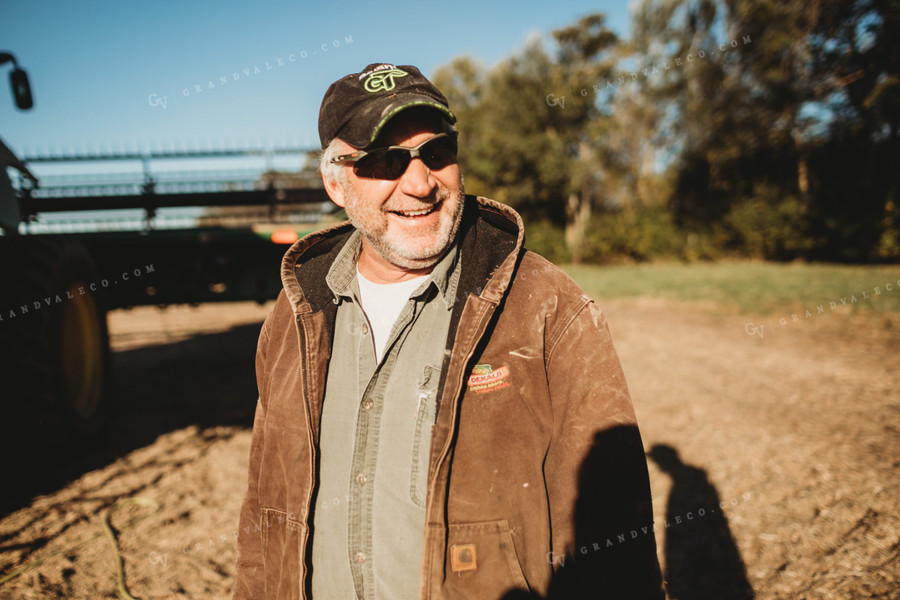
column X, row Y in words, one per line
column 342, row 273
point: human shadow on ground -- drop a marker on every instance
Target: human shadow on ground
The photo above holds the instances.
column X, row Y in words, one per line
column 702, row 560
column 614, row 554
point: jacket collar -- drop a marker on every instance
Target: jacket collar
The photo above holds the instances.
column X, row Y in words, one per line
column 491, row 236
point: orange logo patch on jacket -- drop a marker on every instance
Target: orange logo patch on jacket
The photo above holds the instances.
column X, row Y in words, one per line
column 485, row 379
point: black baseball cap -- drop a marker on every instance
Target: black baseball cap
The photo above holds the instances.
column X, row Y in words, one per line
column 357, row 106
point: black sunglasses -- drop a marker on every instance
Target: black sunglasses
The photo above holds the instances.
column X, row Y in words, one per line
column 391, row 162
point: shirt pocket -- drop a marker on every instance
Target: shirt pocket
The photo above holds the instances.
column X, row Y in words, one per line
column 426, row 410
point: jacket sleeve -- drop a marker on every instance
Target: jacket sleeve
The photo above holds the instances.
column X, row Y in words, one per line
column 250, row 582
column 596, row 472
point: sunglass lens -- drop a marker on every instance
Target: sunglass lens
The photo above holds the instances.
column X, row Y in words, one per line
column 395, row 163
column 439, row 153
column 382, row 164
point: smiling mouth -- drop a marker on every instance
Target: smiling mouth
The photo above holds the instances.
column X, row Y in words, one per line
column 412, row 214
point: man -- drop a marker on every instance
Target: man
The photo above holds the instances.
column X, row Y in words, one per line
column 441, row 413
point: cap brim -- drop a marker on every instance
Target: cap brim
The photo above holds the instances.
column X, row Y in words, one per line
column 363, row 129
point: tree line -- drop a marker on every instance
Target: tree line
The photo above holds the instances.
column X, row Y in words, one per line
column 760, row 129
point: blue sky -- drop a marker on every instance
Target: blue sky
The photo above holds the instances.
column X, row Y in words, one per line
column 98, row 67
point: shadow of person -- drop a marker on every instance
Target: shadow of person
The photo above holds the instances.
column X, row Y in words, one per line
column 614, row 554
column 702, row 560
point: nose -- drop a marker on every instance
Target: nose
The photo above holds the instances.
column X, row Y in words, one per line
column 417, row 181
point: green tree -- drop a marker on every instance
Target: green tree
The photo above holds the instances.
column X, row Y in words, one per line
column 539, row 152
column 799, row 122
column 587, row 53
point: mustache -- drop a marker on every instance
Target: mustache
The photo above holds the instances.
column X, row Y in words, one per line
column 439, row 195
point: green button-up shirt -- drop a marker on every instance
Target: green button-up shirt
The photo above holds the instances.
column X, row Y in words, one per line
column 375, row 438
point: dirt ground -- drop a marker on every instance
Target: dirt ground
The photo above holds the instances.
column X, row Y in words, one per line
column 774, row 458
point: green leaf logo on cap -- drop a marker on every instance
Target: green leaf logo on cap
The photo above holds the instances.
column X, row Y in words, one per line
column 383, row 81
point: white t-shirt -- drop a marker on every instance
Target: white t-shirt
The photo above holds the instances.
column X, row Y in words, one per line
column 382, row 303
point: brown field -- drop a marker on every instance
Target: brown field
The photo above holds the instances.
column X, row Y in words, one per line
column 789, row 443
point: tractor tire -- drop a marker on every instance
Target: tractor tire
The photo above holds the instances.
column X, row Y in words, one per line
column 55, row 375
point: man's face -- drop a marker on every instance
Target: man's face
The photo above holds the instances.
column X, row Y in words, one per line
column 409, row 221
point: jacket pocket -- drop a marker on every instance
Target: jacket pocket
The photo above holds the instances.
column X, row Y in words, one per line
column 482, row 561
column 283, row 549
column 425, row 415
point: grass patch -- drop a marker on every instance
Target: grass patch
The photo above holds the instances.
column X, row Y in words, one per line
column 749, row 287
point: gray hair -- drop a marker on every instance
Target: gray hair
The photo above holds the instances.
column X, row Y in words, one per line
column 331, row 171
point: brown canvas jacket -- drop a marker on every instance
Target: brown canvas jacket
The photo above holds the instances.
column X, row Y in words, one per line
column 538, row 484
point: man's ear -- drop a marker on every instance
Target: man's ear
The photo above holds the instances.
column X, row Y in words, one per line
column 335, row 191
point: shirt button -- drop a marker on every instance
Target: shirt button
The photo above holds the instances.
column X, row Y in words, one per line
column 362, row 479
column 360, row 557
column 368, row 404
column 364, row 329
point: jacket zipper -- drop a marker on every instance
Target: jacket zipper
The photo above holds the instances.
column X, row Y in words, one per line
column 450, row 432
column 458, row 388
column 312, row 449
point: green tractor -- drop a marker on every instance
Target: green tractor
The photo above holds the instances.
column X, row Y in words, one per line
column 53, row 333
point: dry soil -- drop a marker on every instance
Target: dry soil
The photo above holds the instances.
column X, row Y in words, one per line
column 774, row 457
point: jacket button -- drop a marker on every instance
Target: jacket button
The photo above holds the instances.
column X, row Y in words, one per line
column 364, row 329
column 360, row 557
column 362, row 479
column 368, row 404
